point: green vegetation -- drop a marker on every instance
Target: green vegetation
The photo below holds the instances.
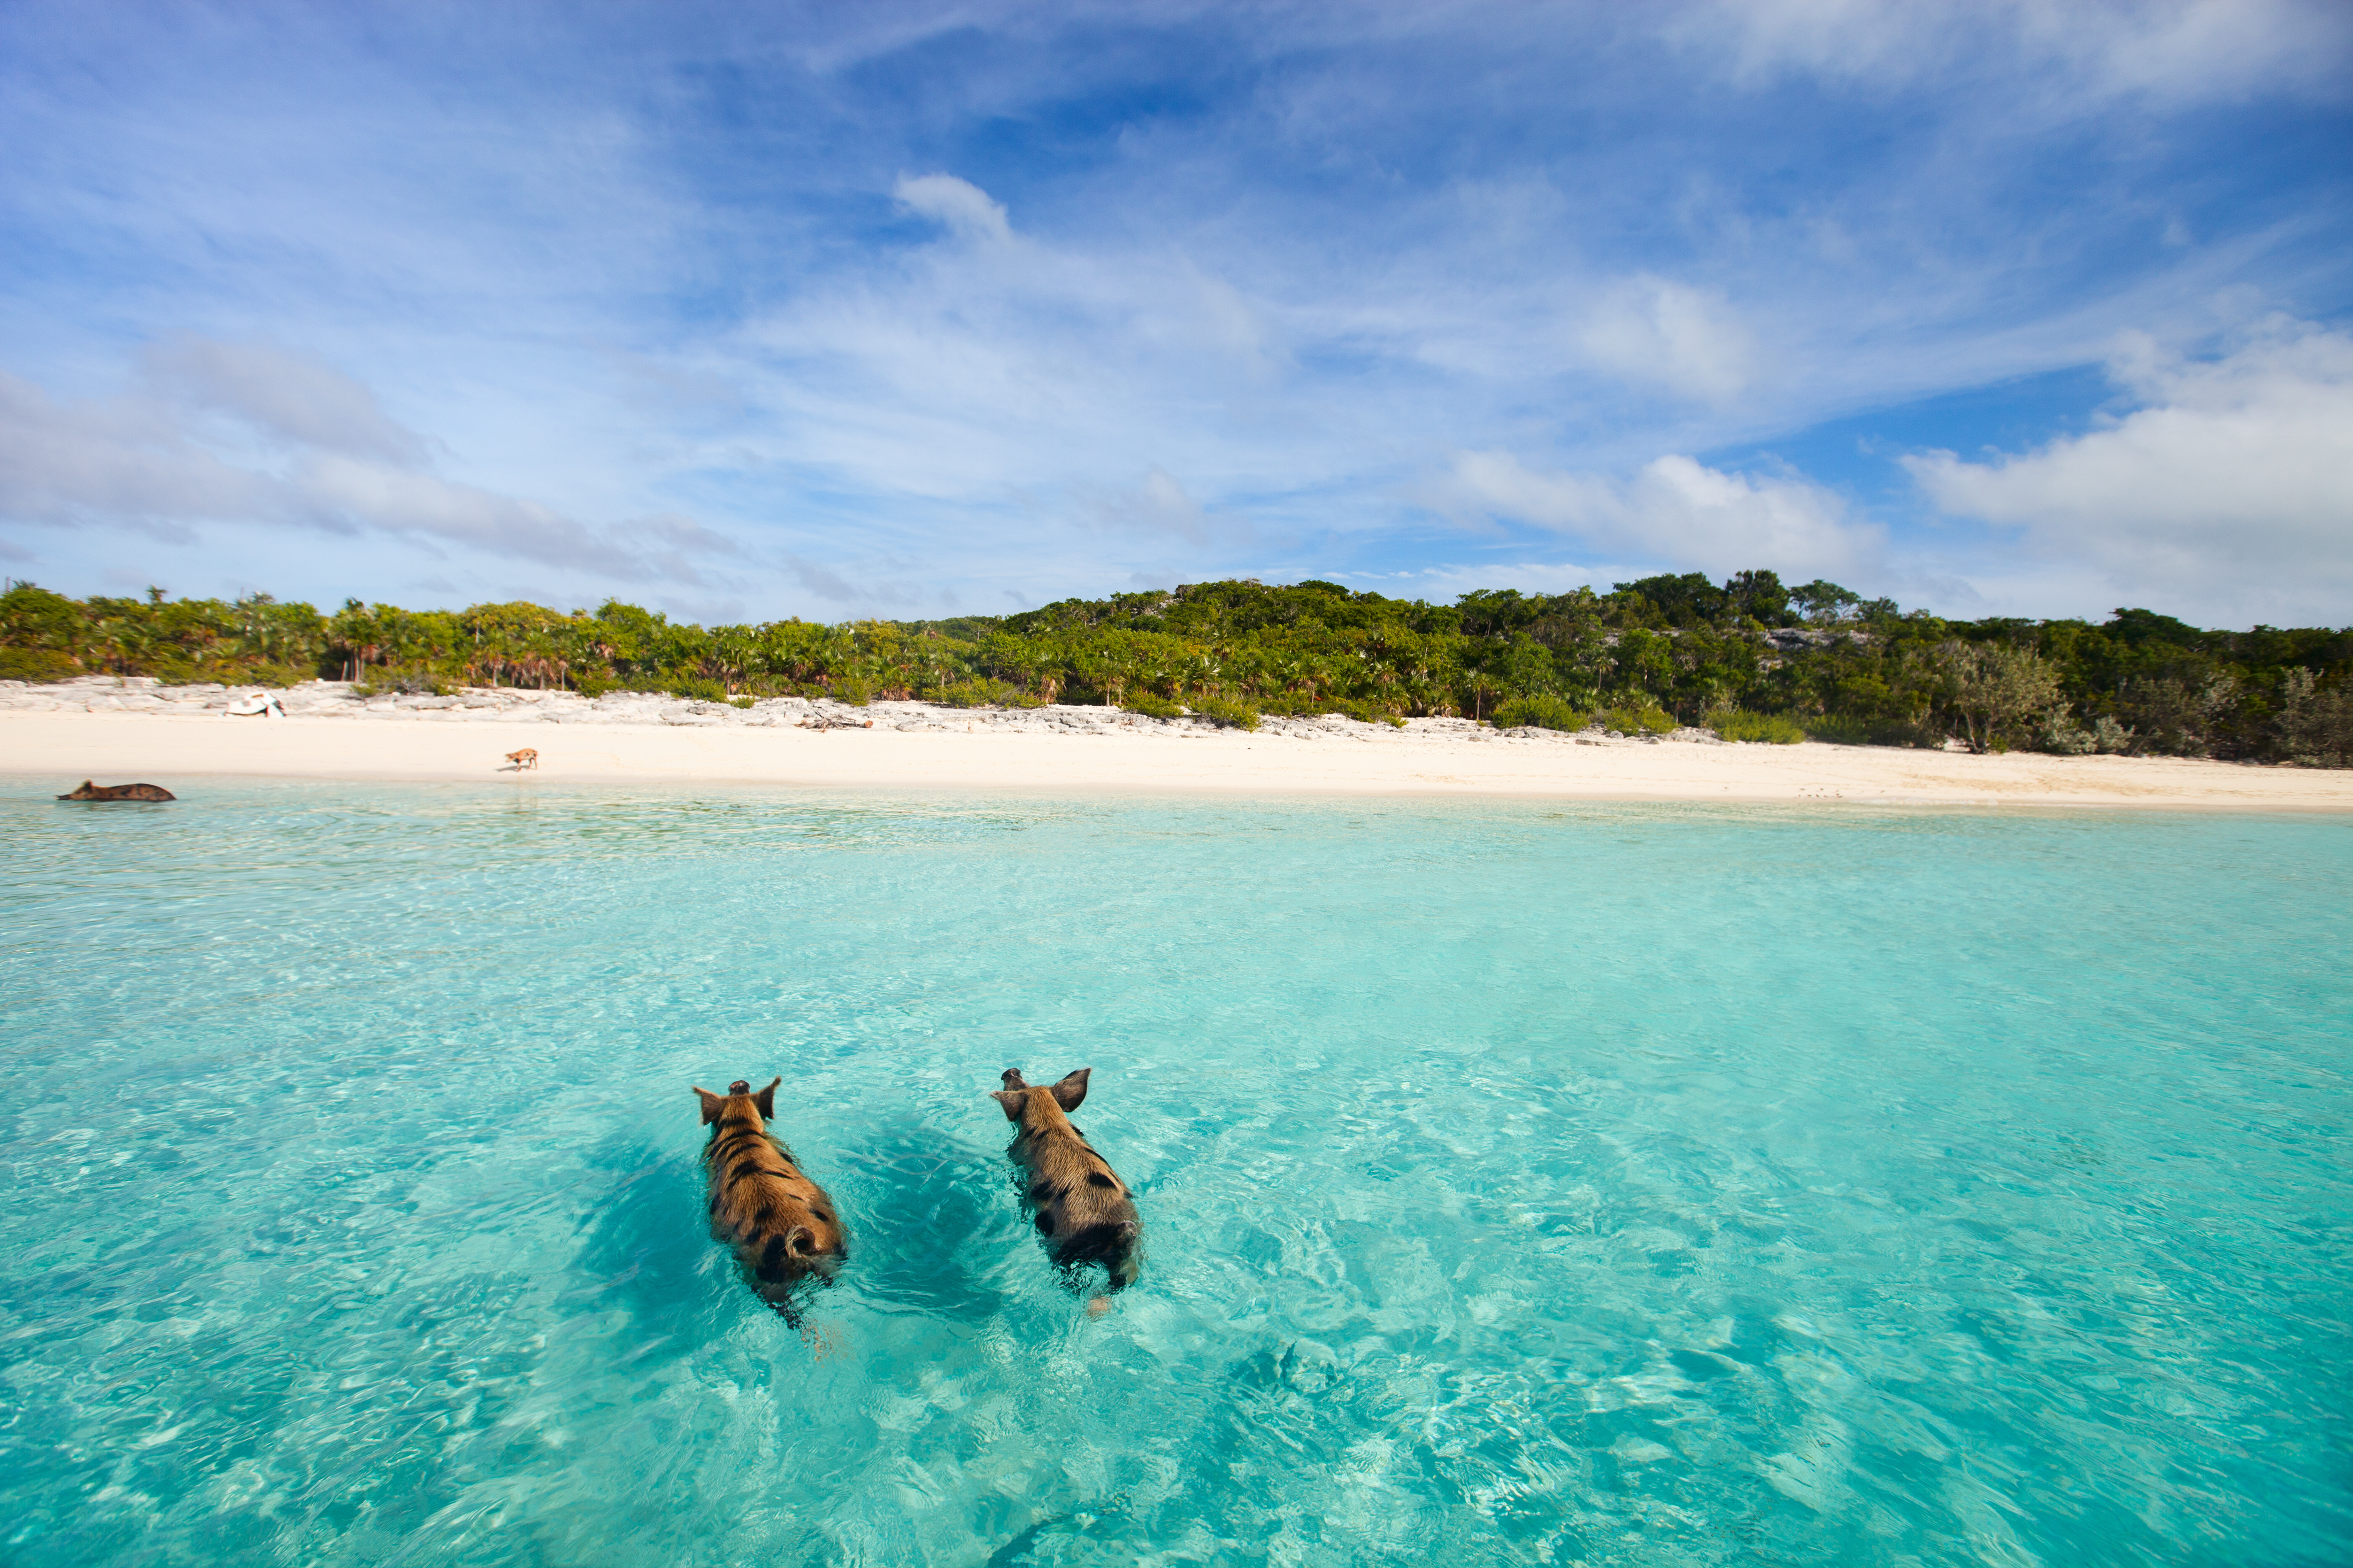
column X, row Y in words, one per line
column 1640, row 659
column 1542, row 711
column 1153, row 707
column 1637, row 717
column 982, row 693
column 1775, row 729
column 1229, row 711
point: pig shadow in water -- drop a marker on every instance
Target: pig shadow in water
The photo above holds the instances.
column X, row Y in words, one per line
column 930, row 1240
column 647, row 1247
column 1023, row 1548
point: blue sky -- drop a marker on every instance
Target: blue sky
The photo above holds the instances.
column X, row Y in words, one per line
column 744, row 311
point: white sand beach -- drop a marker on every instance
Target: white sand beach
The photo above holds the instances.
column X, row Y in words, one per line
column 121, row 733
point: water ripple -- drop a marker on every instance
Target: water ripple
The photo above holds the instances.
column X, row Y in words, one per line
column 1674, row 1184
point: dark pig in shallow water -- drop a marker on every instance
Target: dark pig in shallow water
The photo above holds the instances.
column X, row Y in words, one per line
column 1083, row 1209
column 781, row 1223
column 90, row 791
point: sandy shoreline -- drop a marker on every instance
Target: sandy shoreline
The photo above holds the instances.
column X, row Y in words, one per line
column 59, row 743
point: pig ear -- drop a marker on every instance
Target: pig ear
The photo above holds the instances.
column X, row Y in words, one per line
column 1071, row 1090
column 711, row 1104
column 1010, row 1099
column 766, row 1099
column 1013, row 1079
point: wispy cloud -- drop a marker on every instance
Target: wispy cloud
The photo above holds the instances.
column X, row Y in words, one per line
column 1686, row 340
column 2183, row 49
column 276, row 393
column 1675, row 510
column 245, row 434
column 962, row 205
column 909, row 303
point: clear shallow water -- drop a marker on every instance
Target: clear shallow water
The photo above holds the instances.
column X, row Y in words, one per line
column 1522, row 1183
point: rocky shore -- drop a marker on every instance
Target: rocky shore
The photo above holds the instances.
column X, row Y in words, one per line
column 509, row 705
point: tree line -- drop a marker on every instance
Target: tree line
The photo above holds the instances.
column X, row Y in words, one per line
column 1751, row 657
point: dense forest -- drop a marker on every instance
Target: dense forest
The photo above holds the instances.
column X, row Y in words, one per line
column 1749, row 657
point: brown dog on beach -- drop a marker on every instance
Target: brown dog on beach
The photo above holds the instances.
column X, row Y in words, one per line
column 90, row 791
column 526, row 757
column 1083, row 1210
column 781, row 1223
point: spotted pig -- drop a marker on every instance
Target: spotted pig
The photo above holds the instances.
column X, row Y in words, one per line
column 781, row 1223
column 1083, row 1210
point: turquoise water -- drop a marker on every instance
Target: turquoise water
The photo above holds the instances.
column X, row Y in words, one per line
column 1522, row 1183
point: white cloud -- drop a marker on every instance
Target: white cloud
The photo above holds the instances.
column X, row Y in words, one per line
column 1159, row 505
column 2198, row 49
column 1038, row 375
column 2230, row 488
column 961, row 206
column 126, row 458
column 1676, row 510
column 1686, row 340
column 1841, row 38
column 1444, row 583
column 226, row 432
column 2181, row 49
column 285, row 394
column 581, row 299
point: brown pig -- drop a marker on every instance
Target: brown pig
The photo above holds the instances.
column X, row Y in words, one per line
column 90, row 791
column 781, row 1223
column 1083, row 1210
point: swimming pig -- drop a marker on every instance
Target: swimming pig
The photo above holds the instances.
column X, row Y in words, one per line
column 1083, row 1210
column 90, row 791
column 780, row 1223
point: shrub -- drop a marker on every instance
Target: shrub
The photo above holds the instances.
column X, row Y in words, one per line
column 36, row 665
column 1648, row 720
column 2057, row 733
column 595, row 685
column 743, row 701
column 2315, row 727
column 1994, row 690
column 1362, row 712
column 1227, row 711
column 1543, row 712
column 398, row 683
column 1773, row 729
column 2108, row 737
column 983, row 693
column 1844, row 732
column 694, row 688
column 1840, row 730
column 1153, row 707
column 406, row 685
column 277, row 675
column 175, row 671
